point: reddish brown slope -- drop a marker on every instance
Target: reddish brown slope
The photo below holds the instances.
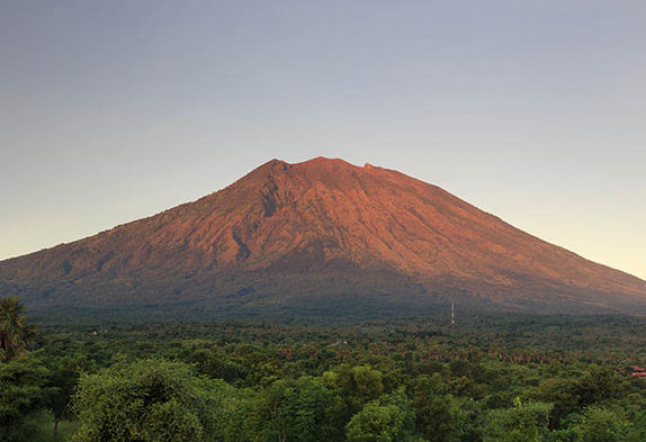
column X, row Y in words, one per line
column 322, row 227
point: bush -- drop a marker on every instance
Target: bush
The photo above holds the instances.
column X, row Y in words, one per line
column 148, row 400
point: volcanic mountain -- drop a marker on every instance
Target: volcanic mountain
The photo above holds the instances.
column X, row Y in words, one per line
column 322, row 236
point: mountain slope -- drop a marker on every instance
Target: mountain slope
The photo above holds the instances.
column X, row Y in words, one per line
column 316, row 232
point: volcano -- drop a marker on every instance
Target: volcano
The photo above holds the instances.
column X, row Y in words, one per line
column 323, row 237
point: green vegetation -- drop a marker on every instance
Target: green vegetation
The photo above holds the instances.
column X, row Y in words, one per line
column 489, row 379
column 15, row 334
column 146, row 401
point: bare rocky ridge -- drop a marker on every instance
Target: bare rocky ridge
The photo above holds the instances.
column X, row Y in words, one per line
column 322, row 232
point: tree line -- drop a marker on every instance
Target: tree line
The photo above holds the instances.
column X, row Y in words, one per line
column 489, row 380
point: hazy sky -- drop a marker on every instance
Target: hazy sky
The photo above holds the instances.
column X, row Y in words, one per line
column 533, row 110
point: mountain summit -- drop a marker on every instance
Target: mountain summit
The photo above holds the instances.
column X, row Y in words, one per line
column 318, row 236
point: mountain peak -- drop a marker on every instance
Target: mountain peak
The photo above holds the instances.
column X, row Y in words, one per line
column 321, row 160
column 325, row 163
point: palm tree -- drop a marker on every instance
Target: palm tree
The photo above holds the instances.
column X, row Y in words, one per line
column 15, row 334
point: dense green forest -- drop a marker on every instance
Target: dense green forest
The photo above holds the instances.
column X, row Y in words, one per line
column 491, row 378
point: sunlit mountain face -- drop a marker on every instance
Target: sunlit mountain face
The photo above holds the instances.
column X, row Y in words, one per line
column 318, row 237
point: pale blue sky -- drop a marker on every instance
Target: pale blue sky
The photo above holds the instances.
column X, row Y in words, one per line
column 532, row 110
